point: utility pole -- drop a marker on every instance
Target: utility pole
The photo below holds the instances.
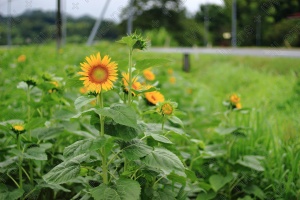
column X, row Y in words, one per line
column 8, row 23
column 130, row 17
column 64, row 23
column 233, row 24
column 58, row 26
column 258, row 30
column 206, row 24
column 97, row 24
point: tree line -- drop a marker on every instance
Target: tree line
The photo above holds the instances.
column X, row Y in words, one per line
column 167, row 22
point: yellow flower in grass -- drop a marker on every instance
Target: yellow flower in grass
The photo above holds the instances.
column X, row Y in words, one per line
column 148, row 74
column 172, row 80
column 170, row 71
column 154, row 97
column 98, row 74
column 22, row 58
column 135, row 84
column 234, row 99
column 18, row 128
column 238, row 105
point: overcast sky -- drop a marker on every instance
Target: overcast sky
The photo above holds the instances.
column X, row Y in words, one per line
column 85, row 7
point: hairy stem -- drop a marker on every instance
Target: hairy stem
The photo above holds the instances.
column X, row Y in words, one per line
column 102, row 150
column 130, row 76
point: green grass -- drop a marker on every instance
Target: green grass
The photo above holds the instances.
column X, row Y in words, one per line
column 269, row 120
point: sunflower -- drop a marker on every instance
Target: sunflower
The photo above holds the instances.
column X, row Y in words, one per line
column 238, row 106
column 98, row 74
column 18, row 128
column 135, row 84
column 234, row 99
column 22, row 58
column 154, row 97
column 148, row 74
column 172, row 80
column 167, row 109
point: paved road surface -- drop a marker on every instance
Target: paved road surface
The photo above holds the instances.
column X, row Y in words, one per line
column 264, row 52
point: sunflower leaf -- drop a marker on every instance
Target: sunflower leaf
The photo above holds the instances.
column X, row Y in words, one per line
column 150, row 62
column 83, row 100
column 129, row 41
column 121, row 114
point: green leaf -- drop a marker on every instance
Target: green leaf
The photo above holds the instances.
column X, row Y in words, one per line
column 207, row 196
column 128, row 189
column 177, row 178
column 245, row 198
column 164, row 195
column 65, row 171
column 46, row 133
column 121, row 114
column 253, row 189
column 164, row 160
column 85, row 112
column 226, row 131
column 34, row 123
column 10, row 195
column 159, row 138
column 42, row 184
column 103, row 192
column 252, row 162
column 135, row 149
column 218, row 181
column 117, row 130
column 150, row 62
column 84, row 146
column 83, row 100
column 128, row 41
column 176, row 120
column 35, row 153
column 74, row 82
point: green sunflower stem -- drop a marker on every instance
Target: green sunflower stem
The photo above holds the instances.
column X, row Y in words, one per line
column 130, row 75
column 163, row 123
column 20, row 162
column 102, row 150
column 28, row 109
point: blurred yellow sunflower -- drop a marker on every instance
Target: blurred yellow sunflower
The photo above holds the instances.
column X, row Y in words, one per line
column 238, row 105
column 22, row 58
column 167, row 109
column 18, row 128
column 98, row 74
column 148, row 74
column 135, row 84
column 234, row 99
column 154, row 97
column 172, row 80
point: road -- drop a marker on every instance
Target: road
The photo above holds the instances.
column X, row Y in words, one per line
column 263, row 52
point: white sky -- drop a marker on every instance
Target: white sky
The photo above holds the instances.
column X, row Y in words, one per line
column 78, row 8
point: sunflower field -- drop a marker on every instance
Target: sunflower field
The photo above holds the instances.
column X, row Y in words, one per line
column 114, row 121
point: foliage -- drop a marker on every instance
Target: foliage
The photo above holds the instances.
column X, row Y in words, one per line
column 197, row 148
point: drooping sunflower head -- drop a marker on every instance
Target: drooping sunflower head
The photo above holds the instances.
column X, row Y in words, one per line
column 154, row 97
column 30, row 81
column 148, row 74
column 98, row 74
column 234, row 99
column 135, row 84
column 18, row 128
